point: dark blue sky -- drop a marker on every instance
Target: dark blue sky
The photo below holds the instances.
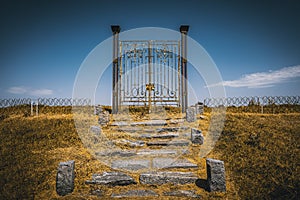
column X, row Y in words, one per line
column 255, row 44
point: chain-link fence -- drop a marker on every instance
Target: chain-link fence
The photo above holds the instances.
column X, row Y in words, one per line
column 30, row 107
column 265, row 104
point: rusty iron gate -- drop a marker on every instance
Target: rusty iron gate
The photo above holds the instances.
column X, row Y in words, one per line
column 149, row 73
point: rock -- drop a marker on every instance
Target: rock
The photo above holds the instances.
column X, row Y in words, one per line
column 168, row 143
column 182, row 193
column 116, row 153
column 169, row 163
column 202, row 117
column 111, row 178
column 196, row 136
column 65, row 178
column 156, row 152
column 96, row 130
column 131, row 143
column 119, row 123
column 98, row 109
column 97, row 192
column 215, row 175
column 103, row 118
column 135, row 193
column 191, row 114
column 131, row 164
column 159, row 178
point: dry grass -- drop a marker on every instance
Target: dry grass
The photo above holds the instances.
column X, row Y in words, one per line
column 261, row 154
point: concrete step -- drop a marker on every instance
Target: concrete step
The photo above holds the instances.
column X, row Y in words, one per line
column 111, row 178
column 159, row 178
column 171, row 163
column 135, row 193
column 159, row 136
column 168, row 143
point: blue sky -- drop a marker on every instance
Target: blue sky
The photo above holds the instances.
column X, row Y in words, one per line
column 255, row 44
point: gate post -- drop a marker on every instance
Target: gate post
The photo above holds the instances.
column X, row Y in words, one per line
column 184, row 87
column 115, row 76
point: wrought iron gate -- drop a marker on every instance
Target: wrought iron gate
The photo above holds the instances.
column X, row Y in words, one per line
column 148, row 73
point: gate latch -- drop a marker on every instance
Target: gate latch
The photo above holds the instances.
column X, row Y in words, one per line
column 150, row 87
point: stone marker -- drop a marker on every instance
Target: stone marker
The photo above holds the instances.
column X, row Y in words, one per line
column 159, row 178
column 65, row 178
column 215, row 175
column 135, row 193
column 191, row 114
column 111, row 178
column 169, row 163
column 182, row 193
column 96, row 130
column 104, row 118
column 196, row 136
column 130, row 164
column 199, row 108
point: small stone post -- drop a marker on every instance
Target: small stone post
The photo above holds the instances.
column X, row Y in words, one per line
column 215, row 175
column 191, row 114
column 65, row 178
column 196, row 136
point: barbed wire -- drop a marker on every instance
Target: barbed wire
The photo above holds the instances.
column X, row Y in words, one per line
column 251, row 101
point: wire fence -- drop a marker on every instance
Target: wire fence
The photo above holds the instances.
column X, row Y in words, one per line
column 30, row 107
column 265, row 104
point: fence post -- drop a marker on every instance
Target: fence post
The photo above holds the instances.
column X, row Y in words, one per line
column 262, row 109
column 37, row 108
column 31, row 108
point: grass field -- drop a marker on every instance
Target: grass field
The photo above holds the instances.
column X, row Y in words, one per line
column 260, row 151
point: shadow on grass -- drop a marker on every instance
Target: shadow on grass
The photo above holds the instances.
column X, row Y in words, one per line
column 202, row 183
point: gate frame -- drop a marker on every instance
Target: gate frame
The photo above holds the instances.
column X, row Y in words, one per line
column 183, row 96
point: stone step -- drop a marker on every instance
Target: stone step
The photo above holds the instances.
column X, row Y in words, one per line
column 154, row 152
column 172, row 129
column 160, row 136
column 135, row 193
column 168, row 143
column 130, row 143
column 129, row 129
column 111, row 178
column 182, row 193
column 159, row 178
column 132, row 164
column 150, row 123
column 125, row 153
column 170, row 163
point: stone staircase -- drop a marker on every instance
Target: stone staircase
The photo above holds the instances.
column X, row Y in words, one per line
column 154, row 153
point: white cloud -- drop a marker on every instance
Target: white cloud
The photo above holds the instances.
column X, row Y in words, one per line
column 263, row 79
column 17, row 90
column 29, row 91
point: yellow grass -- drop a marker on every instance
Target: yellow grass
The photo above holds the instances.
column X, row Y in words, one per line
column 261, row 155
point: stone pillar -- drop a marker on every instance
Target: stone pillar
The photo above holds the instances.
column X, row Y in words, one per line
column 196, row 136
column 191, row 114
column 115, row 76
column 215, row 175
column 199, row 108
column 184, row 86
column 65, row 178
